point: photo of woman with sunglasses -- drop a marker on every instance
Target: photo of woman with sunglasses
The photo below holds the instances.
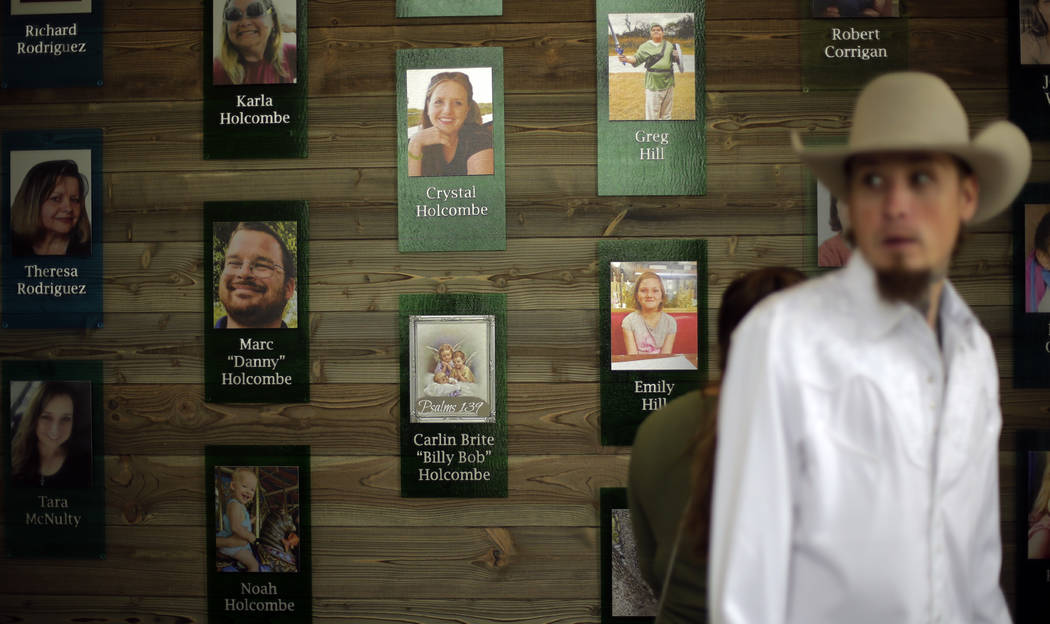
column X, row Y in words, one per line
column 250, row 42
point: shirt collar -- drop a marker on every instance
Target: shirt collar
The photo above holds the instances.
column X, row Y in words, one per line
column 878, row 316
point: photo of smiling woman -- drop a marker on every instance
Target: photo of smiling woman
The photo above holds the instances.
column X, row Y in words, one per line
column 254, row 275
column 449, row 122
column 254, row 42
column 654, row 320
column 51, row 440
column 50, row 215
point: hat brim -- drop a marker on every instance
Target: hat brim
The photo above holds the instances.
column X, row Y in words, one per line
column 999, row 155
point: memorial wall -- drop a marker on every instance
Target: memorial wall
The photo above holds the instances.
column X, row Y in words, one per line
column 424, row 392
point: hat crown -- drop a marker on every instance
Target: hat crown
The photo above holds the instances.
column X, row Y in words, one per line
column 908, row 108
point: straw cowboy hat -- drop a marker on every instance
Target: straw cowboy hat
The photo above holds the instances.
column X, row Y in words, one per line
column 917, row 112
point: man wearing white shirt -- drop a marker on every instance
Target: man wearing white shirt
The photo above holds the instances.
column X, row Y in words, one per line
column 857, row 470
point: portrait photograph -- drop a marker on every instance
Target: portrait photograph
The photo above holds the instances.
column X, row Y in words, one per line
column 1035, row 32
column 50, row 203
column 1038, row 497
column 856, row 8
column 654, row 320
column 452, row 368
column 50, row 444
column 254, row 275
column 652, row 66
column 49, row 7
column 257, row 519
column 254, row 42
column 1036, row 258
column 449, row 114
column 832, row 248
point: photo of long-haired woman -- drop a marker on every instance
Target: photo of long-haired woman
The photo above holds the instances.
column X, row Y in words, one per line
column 449, row 115
column 254, row 42
column 51, row 209
column 51, row 434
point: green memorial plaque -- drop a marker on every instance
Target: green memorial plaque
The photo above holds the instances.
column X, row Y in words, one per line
column 451, row 187
column 259, row 565
column 846, row 43
column 453, row 395
column 256, row 302
column 52, row 251
column 255, row 75
column 51, row 43
column 651, row 138
column 53, row 476
column 652, row 301
column 441, row 8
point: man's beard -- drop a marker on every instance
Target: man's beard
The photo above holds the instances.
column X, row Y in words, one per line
column 899, row 284
column 267, row 311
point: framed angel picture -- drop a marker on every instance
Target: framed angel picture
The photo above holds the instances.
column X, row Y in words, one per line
column 452, row 368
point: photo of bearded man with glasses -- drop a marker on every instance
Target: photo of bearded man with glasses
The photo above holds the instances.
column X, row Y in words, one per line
column 257, row 278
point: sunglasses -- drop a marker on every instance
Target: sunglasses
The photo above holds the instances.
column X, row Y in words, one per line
column 253, row 10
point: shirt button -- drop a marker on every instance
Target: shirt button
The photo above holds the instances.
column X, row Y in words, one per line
column 929, row 379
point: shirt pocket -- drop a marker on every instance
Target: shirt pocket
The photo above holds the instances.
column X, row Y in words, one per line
column 857, row 425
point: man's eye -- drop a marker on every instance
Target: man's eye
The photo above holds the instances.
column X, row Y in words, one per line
column 921, row 178
column 872, row 180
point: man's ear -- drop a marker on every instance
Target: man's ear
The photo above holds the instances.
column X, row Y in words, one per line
column 1042, row 258
column 289, row 288
column 969, row 189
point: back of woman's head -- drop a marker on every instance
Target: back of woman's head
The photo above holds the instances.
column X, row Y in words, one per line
column 744, row 293
column 34, row 191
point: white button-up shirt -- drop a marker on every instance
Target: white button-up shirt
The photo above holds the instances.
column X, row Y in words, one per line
column 857, row 469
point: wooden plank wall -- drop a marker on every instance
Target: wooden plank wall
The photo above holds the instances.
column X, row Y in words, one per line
column 534, row 557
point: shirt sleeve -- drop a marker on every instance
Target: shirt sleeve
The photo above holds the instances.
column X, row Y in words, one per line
column 751, row 523
column 643, row 531
column 988, row 602
column 641, row 55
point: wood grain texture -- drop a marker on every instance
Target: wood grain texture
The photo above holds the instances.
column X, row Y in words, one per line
column 116, row 608
column 531, row 558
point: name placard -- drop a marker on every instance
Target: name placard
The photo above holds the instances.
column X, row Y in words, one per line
column 653, row 310
column 259, row 534
column 451, row 187
column 846, row 43
column 255, row 80
column 1031, row 313
column 52, row 216
column 1032, row 532
column 1029, row 62
column 256, row 302
column 651, row 138
column 440, row 8
column 453, row 395
column 56, row 43
column 53, row 471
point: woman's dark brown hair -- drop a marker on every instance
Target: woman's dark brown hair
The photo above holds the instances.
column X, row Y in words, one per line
column 741, row 295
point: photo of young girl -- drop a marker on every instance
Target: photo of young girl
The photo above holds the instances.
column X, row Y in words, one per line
column 654, row 320
column 1037, row 258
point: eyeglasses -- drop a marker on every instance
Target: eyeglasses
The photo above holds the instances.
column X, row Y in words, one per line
column 254, row 10
column 262, row 270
